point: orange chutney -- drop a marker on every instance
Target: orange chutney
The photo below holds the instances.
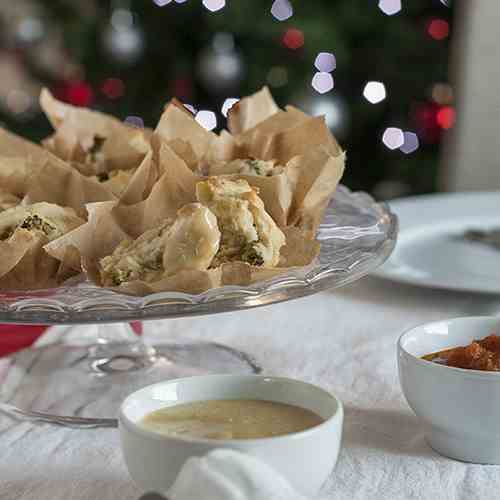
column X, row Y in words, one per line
column 478, row 355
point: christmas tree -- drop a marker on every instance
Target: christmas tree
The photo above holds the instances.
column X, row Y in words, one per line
column 376, row 69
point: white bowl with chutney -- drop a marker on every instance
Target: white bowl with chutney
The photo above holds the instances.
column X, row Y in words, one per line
column 306, row 458
column 459, row 408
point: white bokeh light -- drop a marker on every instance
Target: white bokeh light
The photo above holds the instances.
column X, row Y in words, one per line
column 393, row 137
column 206, row 119
column 411, row 143
column 325, row 62
column 282, row 10
column 374, row 92
column 330, row 109
column 214, row 5
column 162, row 3
column 191, row 108
column 228, row 104
column 322, row 82
column 122, row 19
column 30, row 29
column 390, row 7
column 135, row 121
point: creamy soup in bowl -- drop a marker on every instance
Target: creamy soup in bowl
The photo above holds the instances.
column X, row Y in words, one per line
column 292, row 426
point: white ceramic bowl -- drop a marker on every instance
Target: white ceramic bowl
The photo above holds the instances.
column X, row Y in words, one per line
column 459, row 408
column 305, row 458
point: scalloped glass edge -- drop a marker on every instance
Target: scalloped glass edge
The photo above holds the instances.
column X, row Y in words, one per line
column 357, row 235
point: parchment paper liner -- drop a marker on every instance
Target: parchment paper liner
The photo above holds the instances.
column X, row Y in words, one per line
column 55, row 182
column 8, row 200
column 19, row 159
column 295, row 198
column 109, row 223
column 76, row 130
column 262, row 131
column 32, row 172
column 26, row 265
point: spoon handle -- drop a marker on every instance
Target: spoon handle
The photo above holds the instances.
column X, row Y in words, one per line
column 66, row 421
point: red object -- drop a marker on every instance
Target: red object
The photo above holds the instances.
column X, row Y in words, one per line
column 446, row 117
column 76, row 92
column 182, row 88
column 293, row 39
column 439, row 29
column 424, row 116
column 113, row 88
column 16, row 337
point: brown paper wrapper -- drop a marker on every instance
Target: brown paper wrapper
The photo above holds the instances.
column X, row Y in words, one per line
column 8, row 200
column 25, row 264
column 55, row 182
column 19, row 159
column 177, row 123
column 250, row 111
column 78, row 131
column 14, row 145
column 312, row 164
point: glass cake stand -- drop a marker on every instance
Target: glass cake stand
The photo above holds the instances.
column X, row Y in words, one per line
column 88, row 375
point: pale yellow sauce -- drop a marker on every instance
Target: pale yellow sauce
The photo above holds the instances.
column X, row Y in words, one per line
column 230, row 419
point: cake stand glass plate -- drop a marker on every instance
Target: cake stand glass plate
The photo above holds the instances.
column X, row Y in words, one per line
column 90, row 374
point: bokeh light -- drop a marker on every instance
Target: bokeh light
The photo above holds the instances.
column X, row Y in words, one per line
column 228, row 104
column 191, row 108
column 223, row 42
column 277, row 76
column 78, row 93
column 113, row 88
column 30, row 29
column 122, row 19
column 331, row 110
column 325, row 62
column 206, row 119
column 374, row 92
column 214, row 5
column 322, row 82
column 439, row 29
column 445, row 117
column 134, row 121
column 393, row 137
column 282, row 10
column 162, row 3
column 293, row 39
column 389, row 7
column 410, row 143
column 19, row 102
column 442, row 93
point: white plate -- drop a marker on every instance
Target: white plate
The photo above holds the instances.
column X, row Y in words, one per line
column 430, row 252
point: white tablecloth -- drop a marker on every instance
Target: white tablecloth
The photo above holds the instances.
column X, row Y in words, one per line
column 343, row 340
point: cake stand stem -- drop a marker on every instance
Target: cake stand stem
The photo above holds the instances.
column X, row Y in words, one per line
column 92, row 369
column 118, row 348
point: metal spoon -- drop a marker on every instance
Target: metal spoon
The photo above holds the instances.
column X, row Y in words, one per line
column 491, row 237
column 74, row 422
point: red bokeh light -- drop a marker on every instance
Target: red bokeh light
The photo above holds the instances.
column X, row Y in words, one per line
column 438, row 29
column 293, row 39
column 182, row 88
column 445, row 117
column 424, row 116
column 113, row 88
column 76, row 92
